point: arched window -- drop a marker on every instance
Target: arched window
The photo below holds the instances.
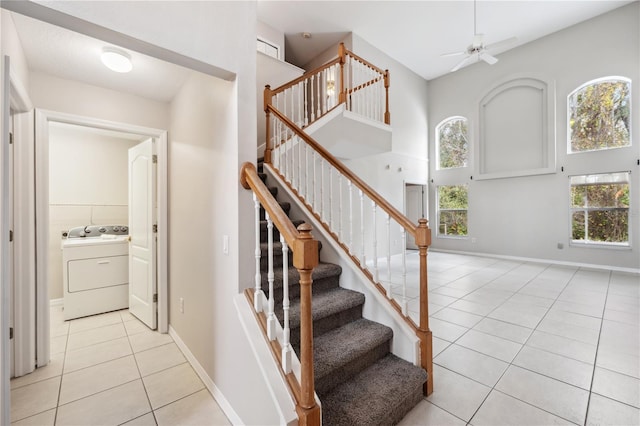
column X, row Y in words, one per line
column 599, row 114
column 452, row 147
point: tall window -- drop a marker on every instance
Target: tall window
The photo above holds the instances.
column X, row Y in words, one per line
column 452, row 210
column 452, row 146
column 599, row 115
column 600, row 208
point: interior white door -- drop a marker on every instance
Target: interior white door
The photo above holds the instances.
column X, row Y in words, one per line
column 142, row 238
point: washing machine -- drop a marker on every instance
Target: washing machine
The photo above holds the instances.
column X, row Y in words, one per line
column 95, row 270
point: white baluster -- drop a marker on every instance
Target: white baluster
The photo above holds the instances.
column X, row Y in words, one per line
column 306, row 172
column 322, row 190
column 389, row 256
column 313, row 115
column 258, row 294
column 340, row 208
column 287, row 350
column 293, row 104
column 375, row 242
column 350, row 216
column 319, row 92
column 284, row 100
column 330, row 197
column 324, row 91
column 271, row 318
column 300, row 143
column 404, row 272
column 314, row 187
column 363, row 259
column 305, row 110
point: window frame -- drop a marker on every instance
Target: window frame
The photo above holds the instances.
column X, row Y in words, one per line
column 466, row 137
column 599, row 244
column 613, row 78
column 439, row 210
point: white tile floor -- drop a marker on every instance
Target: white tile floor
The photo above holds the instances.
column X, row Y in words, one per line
column 519, row 343
column 515, row 343
column 110, row 369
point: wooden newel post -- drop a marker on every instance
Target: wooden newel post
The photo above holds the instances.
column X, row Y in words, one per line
column 423, row 241
column 267, row 104
column 305, row 258
column 387, row 81
column 342, row 54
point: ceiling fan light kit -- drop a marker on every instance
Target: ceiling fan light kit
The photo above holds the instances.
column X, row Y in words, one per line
column 477, row 50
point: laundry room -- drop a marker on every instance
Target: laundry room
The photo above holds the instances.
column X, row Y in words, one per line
column 88, row 185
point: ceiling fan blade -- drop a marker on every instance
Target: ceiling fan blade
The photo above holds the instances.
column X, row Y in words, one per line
column 488, row 58
column 452, row 54
column 462, row 63
column 503, row 43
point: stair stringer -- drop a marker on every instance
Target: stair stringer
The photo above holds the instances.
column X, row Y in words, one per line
column 283, row 403
column 405, row 344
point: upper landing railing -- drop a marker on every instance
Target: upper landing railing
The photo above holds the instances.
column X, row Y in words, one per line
column 348, row 79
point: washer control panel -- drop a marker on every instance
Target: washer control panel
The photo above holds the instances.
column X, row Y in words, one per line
column 97, row 230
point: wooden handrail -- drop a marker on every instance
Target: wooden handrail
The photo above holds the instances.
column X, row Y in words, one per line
column 370, row 192
column 305, row 259
column 304, row 76
column 250, row 180
column 365, row 62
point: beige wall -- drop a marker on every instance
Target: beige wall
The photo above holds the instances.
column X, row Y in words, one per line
column 10, row 45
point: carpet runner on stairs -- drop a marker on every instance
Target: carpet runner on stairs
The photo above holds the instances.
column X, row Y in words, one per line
column 358, row 380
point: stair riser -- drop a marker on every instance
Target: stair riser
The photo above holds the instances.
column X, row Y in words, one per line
column 346, row 372
column 319, row 285
column 323, row 325
column 277, row 260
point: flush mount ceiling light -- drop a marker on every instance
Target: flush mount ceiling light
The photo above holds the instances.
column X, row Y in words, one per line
column 116, row 60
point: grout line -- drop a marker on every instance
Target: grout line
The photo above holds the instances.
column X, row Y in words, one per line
column 595, row 360
column 144, row 386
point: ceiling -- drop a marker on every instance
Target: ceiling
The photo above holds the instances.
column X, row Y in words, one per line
column 67, row 54
column 416, row 33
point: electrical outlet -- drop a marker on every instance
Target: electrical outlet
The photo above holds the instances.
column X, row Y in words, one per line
column 473, row 240
column 181, row 305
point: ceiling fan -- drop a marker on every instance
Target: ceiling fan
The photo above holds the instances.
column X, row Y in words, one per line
column 477, row 50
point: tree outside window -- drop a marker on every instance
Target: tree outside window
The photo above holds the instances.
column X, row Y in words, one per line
column 452, row 210
column 452, row 144
column 600, row 208
column 599, row 115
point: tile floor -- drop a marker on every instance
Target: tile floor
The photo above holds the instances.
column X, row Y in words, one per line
column 111, row 369
column 515, row 343
column 518, row 343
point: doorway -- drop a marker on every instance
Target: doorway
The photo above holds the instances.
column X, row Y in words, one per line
column 415, row 207
column 45, row 121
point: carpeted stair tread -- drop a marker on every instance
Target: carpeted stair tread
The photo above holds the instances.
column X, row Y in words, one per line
column 322, row 271
column 342, row 353
column 380, row 395
column 326, row 304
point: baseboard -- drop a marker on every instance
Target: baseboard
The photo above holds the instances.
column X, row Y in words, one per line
column 536, row 260
column 213, row 389
column 56, row 302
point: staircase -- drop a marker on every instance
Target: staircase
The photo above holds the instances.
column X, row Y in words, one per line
column 357, row 378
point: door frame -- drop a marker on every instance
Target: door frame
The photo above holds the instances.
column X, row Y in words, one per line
column 43, row 118
column 425, row 200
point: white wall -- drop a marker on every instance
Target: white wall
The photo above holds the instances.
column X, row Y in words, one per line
column 72, row 97
column 529, row 216
column 89, row 192
column 200, row 273
column 271, row 35
column 10, row 45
